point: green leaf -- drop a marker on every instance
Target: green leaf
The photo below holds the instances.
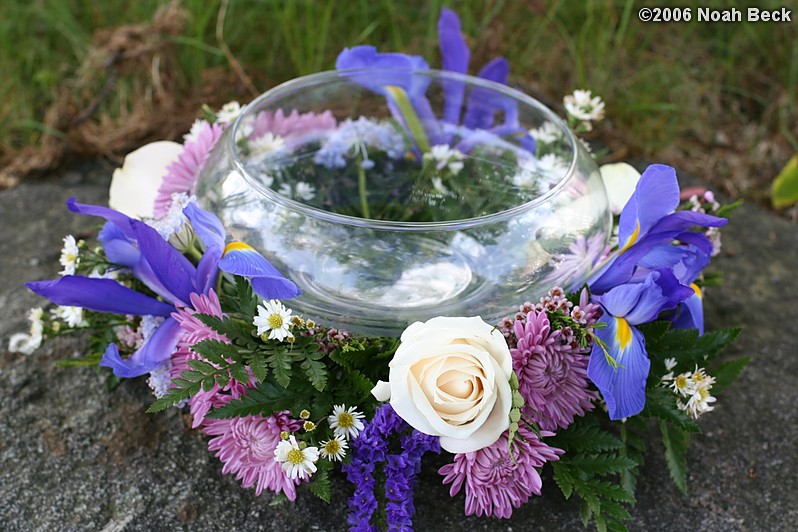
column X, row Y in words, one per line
column 201, row 366
column 602, row 464
column 585, row 436
column 687, row 347
column 239, row 373
column 216, row 351
column 661, row 404
column 172, row 397
column 784, row 190
column 280, row 362
column 316, row 371
column 266, row 398
column 676, row 442
column 727, row 372
column 259, row 367
column 634, row 448
column 237, row 331
column 320, row 485
column 280, row 498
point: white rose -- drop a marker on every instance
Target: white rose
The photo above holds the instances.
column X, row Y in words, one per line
column 620, row 180
column 450, row 378
column 134, row 187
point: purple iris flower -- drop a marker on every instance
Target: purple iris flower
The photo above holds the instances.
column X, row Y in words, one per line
column 647, row 228
column 623, row 385
column 395, row 69
column 135, row 245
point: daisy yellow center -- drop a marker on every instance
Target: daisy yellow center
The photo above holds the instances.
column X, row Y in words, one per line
column 681, row 381
column 275, row 321
column 332, row 447
column 295, row 456
column 346, row 420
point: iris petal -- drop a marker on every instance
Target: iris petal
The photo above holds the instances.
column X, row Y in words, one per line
column 267, row 281
column 156, row 349
column 207, row 226
column 623, row 388
column 171, row 269
column 455, row 57
column 690, row 314
column 99, row 295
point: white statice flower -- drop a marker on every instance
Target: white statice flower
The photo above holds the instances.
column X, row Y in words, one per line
column 160, row 379
column 27, row 343
column 265, row 178
column 73, row 316
column 446, row 157
column 273, row 318
column 228, row 113
column 548, row 133
column 346, row 422
column 583, row 106
column 297, row 462
column 265, row 146
column 354, row 138
column 150, row 324
column 70, row 256
column 174, row 221
column 670, row 364
column 334, row 449
column 22, row 343
column 305, row 191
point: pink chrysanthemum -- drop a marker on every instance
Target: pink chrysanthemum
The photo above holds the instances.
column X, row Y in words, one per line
column 182, row 174
column 496, row 482
column 552, row 377
column 246, row 447
column 292, row 126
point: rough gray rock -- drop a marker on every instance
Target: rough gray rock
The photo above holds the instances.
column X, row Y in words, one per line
column 74, row 456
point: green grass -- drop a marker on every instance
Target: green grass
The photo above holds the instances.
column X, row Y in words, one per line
column 664, row 84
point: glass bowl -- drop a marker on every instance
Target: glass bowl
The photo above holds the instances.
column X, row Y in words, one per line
column 395, row 196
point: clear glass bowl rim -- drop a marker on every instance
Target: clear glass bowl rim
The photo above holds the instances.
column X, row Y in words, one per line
column 389, row 225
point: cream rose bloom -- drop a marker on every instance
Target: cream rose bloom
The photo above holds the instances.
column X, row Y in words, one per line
column 450, row 378
column 135, row 185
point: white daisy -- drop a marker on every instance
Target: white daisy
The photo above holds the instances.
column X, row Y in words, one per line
column 446, row 157
column 346, row 422
column 73, row 316
column 548, row 133
column 228, row 113
column 285, row 190
column 305, row 191
column 296, row 462
column 582, row 105
column 265, row 145
column 334, row 449
column 70, row 256
column 196, row 128
column 275, row 319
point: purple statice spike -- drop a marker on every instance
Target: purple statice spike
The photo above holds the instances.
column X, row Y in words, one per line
column 371, row 448
column 99, row 295
column 455, row 57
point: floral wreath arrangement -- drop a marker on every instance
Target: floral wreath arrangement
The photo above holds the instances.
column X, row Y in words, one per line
column 568, row 380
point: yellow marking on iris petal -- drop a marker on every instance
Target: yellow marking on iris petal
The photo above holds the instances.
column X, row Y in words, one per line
column 623, row 333
column 632, row 238
column 237, row 246
column 697, row 290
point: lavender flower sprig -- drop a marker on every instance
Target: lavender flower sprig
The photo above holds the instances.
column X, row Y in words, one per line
column 371, row 448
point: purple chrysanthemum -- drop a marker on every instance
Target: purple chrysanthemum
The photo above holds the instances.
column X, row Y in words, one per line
column 552, row 376
column 246, row 447
column 496, row 482
column 182, row 174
